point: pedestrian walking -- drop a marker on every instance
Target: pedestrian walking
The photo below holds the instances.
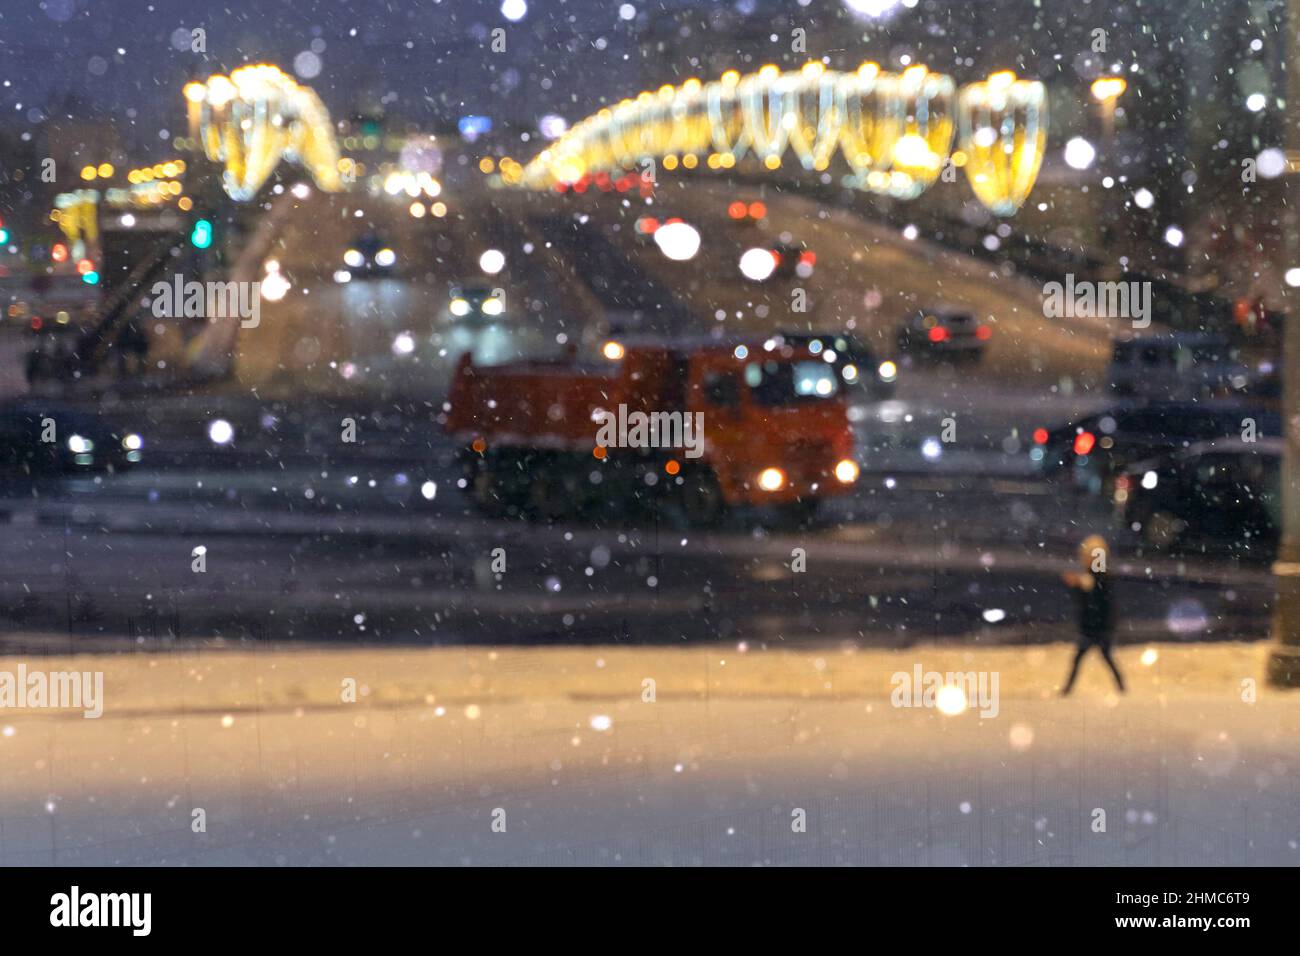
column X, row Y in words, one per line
column 1094, row 611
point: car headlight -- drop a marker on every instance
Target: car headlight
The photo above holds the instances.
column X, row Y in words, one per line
column 492, row 306
column 79, row 446
column 385, row 258
column 459, row 307
column 133, row 442
column 847, row 471
column 354, row 258
column 771, row 479
column 888, row 371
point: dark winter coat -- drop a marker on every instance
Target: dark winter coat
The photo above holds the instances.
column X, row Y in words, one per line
column 1093, row 609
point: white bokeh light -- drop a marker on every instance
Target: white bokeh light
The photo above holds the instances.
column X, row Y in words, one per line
column 492, row 261
column 678, row 241
column 757, row 264
column 220, row 431
column 1079, row 153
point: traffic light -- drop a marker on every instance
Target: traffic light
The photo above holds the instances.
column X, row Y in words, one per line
column 201, row 236
column 4, row 235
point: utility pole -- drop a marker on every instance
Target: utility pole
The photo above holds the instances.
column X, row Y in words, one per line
column 1284, row 659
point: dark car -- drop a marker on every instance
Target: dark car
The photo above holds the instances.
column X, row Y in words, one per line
column 1090, row 452
column 1223, row 495
column 369, row 256
column 793, row 260
column 943, row 333
column 854, row 362
column 468, row 301
column 42, row 439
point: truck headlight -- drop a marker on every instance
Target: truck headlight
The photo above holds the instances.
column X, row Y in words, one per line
column 133, row 442
column 888, row 371
column 459, row 307
column 771, row 479
column 79, row 446
column 847, row 471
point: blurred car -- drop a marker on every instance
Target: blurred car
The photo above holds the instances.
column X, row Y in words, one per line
column 943, row 333
column 793, row 260
column 468, row 301
column 42, row 439
column 369, row 256
column 1089, row 452
column 744, row 212
column 1175, row 365
column 854, row 361
column 1213, row 495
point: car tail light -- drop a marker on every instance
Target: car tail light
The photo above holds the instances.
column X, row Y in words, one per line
column 1040, row 436
column 757, row 210
column 983, row 333
column 1084, row 442
column 938, row 334
column 808, row 258
column 736, row 210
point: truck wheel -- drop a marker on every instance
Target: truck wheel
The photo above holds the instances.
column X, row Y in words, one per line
column 702, row 500
column 487, row 494
column 549, row 496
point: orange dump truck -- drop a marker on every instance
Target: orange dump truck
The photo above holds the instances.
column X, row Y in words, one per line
column 700, row 426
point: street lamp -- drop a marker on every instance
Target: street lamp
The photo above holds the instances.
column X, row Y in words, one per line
column 1284, row 660
column 1106, row 90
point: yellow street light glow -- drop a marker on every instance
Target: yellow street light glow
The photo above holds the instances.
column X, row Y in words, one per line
column 195, row 92
column 88, row 173
column 771, row 479
column 613, row 351
column 105, row 170
column 1108, row 87
column 846, row 472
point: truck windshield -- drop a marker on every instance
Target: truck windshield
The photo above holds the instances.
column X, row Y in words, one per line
column 774, row 382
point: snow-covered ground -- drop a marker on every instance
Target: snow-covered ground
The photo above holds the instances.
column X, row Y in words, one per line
column 557, row 756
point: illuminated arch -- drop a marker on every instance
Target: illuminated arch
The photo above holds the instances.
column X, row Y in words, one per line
column 255, row 117
column 894, row 132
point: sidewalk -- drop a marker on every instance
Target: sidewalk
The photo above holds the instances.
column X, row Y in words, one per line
column 589, row 767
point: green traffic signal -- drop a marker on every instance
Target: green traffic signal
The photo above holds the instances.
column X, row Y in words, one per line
column 4, row 235
column 201, row 236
